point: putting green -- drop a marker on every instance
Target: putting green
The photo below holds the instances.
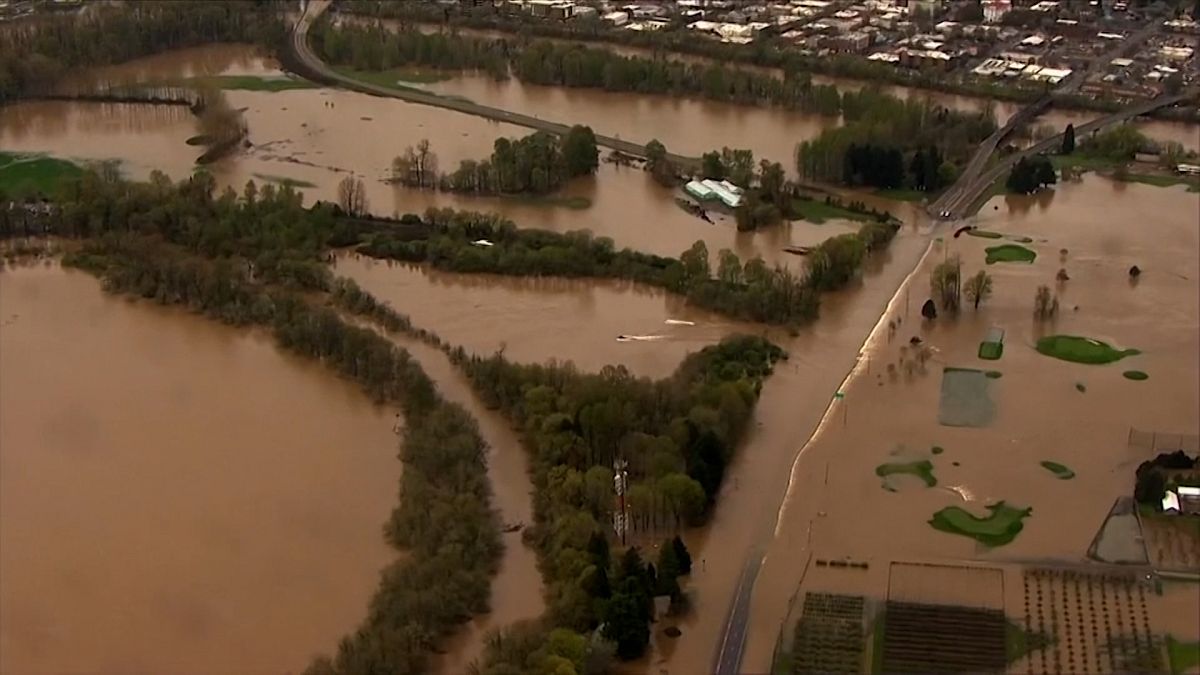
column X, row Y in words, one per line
column 1059, row 470
column 1009, row 253
column 999, row 528
column 1081, row 349
column 922, row 469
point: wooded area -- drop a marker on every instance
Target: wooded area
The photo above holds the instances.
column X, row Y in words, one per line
column 36, row 55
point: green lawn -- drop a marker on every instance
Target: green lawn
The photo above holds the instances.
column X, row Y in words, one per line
column 1061, row 471
column 991, row 351
column 1081, row 349
column 1182, row 655
column 1135, row 375
column 817, row 211
column 1009, row 253
column 1000, row 527
column 906, row 195
column 32, row 174
column 1159, row 180
column 250, row 82
column 922, row 469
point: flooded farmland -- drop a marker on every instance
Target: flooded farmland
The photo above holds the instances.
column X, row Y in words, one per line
column 178, row 496
column 315, row 137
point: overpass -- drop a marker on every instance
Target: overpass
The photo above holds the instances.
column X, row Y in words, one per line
column 304, row 62
column 957, row 200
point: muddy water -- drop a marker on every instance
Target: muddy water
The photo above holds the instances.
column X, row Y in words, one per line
column 320, row 136
column 178, row 496
column 533, row 320
column 1041, row 415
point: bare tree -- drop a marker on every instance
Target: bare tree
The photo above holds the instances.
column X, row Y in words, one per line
column 1045, row 304
column 352, row 196
column 945, row 281
column 978, row 288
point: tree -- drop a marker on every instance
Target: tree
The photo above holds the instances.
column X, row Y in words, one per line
column 711, row 165
column 656, row 154
column 625, row 622
column 352, row 196
column 1173, row 83
column 579, row 151
column 1150, row 487
column 682, row 555
column 1045, row 304
column 945, row 282
column 1068, row 142
column 978, row 288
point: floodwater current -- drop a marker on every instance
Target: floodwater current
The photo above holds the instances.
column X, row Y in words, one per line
column 318, row 136
column 177, row 496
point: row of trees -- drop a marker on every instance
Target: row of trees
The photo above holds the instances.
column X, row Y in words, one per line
column 373, row 47
column 537, row 164
column 677, row 436
column 1030, row 174
column 757, row 292
column 36, row 55
column 890, row 143
column 176, row 245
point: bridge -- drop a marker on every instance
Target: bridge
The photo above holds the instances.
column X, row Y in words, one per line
column 304, row 62
column 959, row 199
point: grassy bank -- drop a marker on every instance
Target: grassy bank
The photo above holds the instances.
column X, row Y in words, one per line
column 32, row 174
column 249, row 82
column 818, row 211
column 395, row 78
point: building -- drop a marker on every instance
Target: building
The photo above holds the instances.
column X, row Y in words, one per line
column 1184, row 499
column 709, row 190
column 617, row 18
column 994, row 10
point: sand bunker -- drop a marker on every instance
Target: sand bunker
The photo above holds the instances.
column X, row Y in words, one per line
column 1000, row 527
column 965, row 400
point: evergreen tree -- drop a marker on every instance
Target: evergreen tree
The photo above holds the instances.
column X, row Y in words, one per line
column 682, row 555
column 580, row 152
column 1068, row 142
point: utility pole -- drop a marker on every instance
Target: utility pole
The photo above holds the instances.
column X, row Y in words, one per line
column 620, row 485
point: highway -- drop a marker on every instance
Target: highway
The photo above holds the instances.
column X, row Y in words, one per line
column 306, row 63
column 959, row 198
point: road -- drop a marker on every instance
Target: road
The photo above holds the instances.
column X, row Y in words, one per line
column 306, row 63
column 737, row 623
column 959, row 198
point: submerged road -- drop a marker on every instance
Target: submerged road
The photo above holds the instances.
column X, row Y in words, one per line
column 307, row 64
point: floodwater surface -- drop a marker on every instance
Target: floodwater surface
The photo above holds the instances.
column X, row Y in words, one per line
column 178, row 496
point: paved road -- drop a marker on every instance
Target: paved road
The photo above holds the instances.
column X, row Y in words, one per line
column 959, row 198
column 309, row 65
column 728, row 659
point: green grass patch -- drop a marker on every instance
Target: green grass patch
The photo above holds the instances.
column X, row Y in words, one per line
column 284, row 180
column 999, row 528
column 1009, row 253
column 817, row 211
column 1161, row 180
column 1182, row 656
column 991, row 351
column 1061, row 471
column 1135, row 375
column 577, row 203
column 1020, row 239
column 985, row 234
column 249, row 82
column 922, row 469
column 905, row 195
column 396, row 78
column 33, row 174
column 994, row 374
column 1019, row 642
column 1081, row 349
column 937, row 449
column 1081, row 163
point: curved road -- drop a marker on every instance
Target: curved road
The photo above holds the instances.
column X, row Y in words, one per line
column 307, row 64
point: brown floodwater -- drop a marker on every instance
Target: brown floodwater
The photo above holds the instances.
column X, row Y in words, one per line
column 321, row 135
column 178, row 496
column 835, row 506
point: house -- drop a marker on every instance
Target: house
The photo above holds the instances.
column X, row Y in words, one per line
column 1184, row 499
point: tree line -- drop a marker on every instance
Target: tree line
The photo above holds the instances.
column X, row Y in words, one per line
column 36, row 55
column 889, row 143
column 1029, row 174
column 677, row 436
column 535, row 164
column 544, row 62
